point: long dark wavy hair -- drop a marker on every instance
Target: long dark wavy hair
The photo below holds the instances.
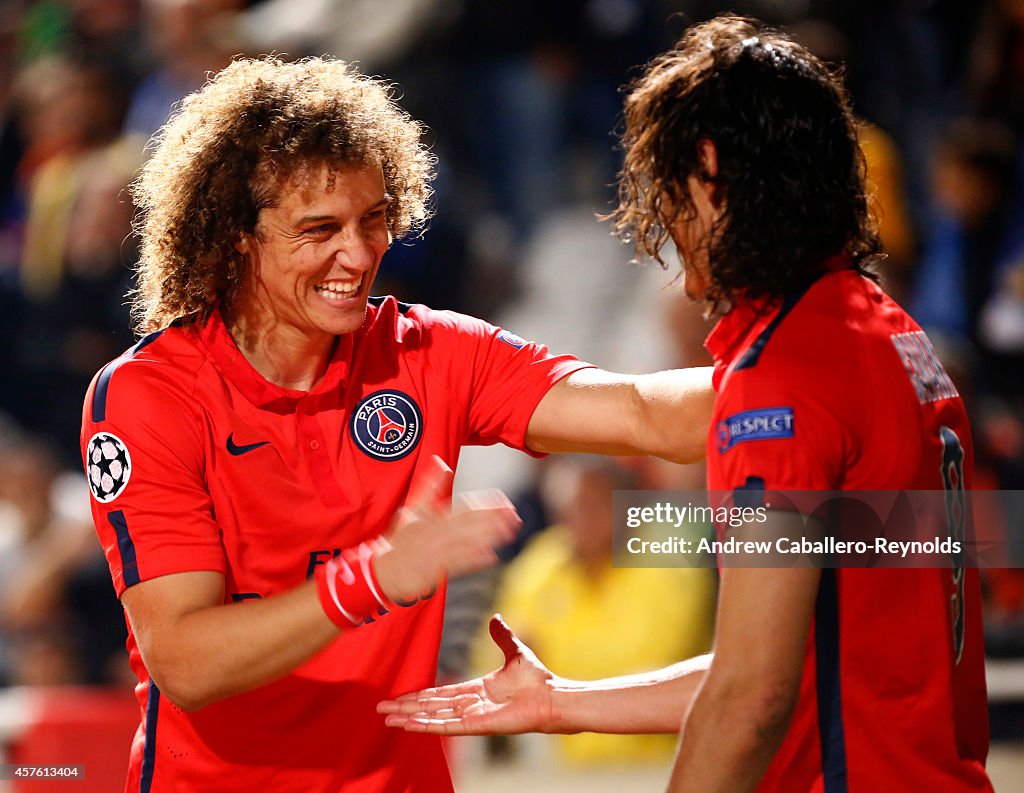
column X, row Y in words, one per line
column 790, row 171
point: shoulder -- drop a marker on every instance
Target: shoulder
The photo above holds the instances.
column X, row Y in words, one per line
column 841, row 311
column 849, row 339
column 411, row 324
column 140, row 412
column 162, row 366
column 822, row 341
column 387, row 311
column 808, row 393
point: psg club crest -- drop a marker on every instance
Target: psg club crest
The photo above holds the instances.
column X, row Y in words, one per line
column 387, row 425
column 109, row 466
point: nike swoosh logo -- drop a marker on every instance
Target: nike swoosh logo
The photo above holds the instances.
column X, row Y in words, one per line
column 236, row 450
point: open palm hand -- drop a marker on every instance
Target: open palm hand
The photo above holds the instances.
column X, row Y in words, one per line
column 513, row 699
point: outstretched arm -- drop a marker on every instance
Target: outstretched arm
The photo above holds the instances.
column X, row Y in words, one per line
column 524, row 696
column 665, row 414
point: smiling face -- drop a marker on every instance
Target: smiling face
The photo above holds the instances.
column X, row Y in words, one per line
column 314, row 255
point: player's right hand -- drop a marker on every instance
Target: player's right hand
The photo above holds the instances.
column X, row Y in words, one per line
column 514, row 699
column 429, row 541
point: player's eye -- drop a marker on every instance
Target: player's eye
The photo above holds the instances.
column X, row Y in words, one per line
column 323, row 230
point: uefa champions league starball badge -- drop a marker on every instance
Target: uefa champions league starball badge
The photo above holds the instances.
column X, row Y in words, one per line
column 108, row 466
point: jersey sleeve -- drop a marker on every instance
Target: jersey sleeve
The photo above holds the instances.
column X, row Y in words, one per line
column 776, row 428
column 144, row 454
column 500, row 377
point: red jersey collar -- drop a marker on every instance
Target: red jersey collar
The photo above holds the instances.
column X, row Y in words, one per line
column 231, row 363
column 736, row 327
column 747, row 318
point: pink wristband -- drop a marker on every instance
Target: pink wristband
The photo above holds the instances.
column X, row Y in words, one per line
column 347, row 587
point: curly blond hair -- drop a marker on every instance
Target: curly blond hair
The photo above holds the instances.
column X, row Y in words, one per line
column 223, row 155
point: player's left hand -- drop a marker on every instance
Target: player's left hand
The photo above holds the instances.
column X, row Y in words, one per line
column 513, row 699
column 428, row 542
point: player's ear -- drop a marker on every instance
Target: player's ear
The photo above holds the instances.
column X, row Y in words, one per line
column 244, row 244
column 708, row 155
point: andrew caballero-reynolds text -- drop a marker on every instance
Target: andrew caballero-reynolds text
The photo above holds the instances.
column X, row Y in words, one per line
column 789, row 545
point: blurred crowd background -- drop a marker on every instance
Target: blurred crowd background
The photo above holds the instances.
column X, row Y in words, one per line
column 522, row 100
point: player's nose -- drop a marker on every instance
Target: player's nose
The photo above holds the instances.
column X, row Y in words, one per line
column 357, row 253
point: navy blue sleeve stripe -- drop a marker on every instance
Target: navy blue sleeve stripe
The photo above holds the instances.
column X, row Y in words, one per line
column 125, row 547
column 753, row 352
column 99, row 396
column 750, row 493
column 829, row 684
column 149, row 747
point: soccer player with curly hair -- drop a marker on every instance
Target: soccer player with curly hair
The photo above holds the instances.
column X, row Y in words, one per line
column 270, row 464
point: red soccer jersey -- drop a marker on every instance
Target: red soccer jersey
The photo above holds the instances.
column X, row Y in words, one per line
column 198, row 463
column 838, row 389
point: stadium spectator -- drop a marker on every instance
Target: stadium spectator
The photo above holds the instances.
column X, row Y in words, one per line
column 972, row 178
column 741, row 147
column 188, row 42
column 248, row 456
column 76, row 111
column 54, row 629
column 62, row 340
column 375, row 36
column 995, row 72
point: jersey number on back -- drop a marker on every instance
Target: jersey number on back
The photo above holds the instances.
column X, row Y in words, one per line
column 956, row 519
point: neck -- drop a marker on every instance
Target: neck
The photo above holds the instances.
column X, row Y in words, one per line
column 283, row 356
